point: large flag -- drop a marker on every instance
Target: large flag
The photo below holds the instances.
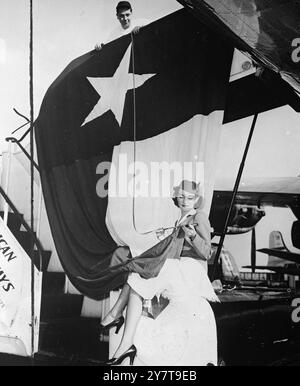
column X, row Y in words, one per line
column 160, row 93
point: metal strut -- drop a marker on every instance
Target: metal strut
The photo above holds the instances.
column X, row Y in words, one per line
column 235, row 190
column 32, row 179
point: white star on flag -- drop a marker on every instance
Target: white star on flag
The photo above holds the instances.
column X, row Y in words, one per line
column 113, row 90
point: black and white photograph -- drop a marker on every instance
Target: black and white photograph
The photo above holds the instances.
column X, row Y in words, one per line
column 149, row 185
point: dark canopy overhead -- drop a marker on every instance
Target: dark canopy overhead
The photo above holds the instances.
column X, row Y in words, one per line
column 268, row 31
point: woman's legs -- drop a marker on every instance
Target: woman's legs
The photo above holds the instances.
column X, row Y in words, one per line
column 133, row 314
column 119, row 306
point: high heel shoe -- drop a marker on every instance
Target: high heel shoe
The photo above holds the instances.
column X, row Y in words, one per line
column 118, row 323
column 131, row 353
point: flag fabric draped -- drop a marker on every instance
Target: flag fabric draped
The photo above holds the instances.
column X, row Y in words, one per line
column 167, row 82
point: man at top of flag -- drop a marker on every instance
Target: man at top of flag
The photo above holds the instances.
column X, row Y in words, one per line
column 127, row 23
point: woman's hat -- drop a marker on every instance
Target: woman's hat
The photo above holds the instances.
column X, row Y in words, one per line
column 188, row 186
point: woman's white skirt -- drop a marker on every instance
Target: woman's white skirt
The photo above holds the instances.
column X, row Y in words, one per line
column 184, row 334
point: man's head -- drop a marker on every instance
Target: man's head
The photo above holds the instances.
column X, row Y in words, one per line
column 124, row 12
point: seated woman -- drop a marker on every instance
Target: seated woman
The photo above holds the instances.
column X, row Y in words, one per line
column 182, row 276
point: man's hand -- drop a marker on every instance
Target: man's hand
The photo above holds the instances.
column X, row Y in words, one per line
column 98, row 47
column 136, row 30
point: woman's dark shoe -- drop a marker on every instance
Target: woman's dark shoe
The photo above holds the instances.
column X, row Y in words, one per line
column 131, row 353
column 118, row 323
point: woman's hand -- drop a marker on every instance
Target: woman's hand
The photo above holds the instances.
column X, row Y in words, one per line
column 160, row 233
column 189, row 231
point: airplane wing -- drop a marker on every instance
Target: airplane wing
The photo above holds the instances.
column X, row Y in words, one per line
column 279, row 192
column 253, row 194
column 265, row 268
column 278, row 255
column 283, row 270
column 285, row 255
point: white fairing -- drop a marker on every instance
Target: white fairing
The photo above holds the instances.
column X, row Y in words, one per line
column 15, row 297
